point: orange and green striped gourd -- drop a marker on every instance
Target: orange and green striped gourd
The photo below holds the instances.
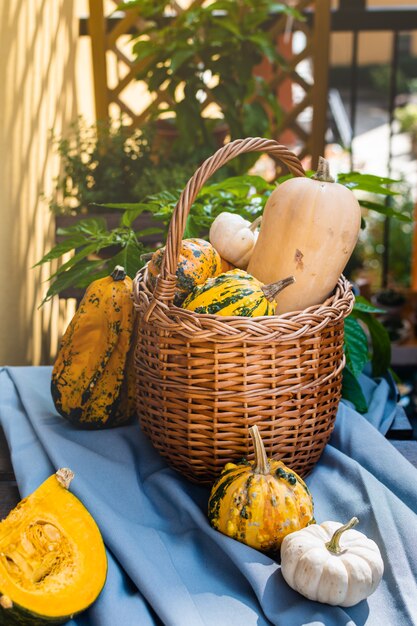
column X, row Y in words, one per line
column 235, row 293
column 259, row 503
column 198, row 261
column 93, row 376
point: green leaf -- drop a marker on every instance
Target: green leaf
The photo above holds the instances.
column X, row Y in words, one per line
column 148, row 231
column 80, row 275
column 356, row 346
column 368, row 182
column 129, row 216
column 126, row 206
column 380, row 343
column 263, row 41
column 75, row 259
column 228, row 25
column 89, row 226
column 143, row 48
column 192, row 228
column 386, row 210
column 279, row 7
column 179, row 58
column 62, row 248
column 219, row 5
column 130, row 258
column 362, row 304
column 352, row 391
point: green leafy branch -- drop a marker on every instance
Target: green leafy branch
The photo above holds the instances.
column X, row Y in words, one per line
column 96, row 251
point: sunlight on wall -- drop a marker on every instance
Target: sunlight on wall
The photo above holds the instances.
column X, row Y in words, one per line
column 39, row 93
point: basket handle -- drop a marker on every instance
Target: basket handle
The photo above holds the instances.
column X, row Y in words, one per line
column 166, row 283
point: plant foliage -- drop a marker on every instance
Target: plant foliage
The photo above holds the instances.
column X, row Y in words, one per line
column 208, row 54
column 111, row 163
column 365, row 337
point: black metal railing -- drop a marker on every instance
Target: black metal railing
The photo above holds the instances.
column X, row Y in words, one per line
column 355, row 17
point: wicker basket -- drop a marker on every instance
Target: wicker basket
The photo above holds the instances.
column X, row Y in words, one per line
column 203, row 380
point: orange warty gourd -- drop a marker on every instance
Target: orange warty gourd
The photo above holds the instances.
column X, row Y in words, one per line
column 197, row 262
column 93, row 382
column 259, row 503
column 309, row 229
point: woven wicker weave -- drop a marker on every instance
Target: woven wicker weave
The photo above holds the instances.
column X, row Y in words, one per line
column 203, row 380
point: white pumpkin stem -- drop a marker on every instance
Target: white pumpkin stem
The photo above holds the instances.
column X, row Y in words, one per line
column 333, row 545
column 323, row 172
column 272, row 290
column 64, row 477
column 260, row 465
column 255, row 224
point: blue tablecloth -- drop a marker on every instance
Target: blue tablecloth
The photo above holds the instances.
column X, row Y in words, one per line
column 167, row 565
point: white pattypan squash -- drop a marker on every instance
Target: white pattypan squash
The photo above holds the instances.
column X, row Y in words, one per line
column 322, row 565
column 234, row 238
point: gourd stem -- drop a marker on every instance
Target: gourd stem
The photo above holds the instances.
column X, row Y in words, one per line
column 119, row 273
column 323, row 172
column 333, row 545
column 272, row 290
column 64, row 477
column 255, row 224
column 260, row 465
column 146, row 256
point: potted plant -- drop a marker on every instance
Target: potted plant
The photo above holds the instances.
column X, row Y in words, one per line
column 204, row 63
column 109, row 162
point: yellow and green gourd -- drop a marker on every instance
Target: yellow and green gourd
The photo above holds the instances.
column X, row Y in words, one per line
column 198, row 260
column 93, row 376
column 259, row 503
column 235, row 293
column 53, row 564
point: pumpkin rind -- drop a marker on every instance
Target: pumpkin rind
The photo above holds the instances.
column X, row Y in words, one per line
column 197, row 262
column 309, row 230
column 92, row 385
column 259, row 507
column 231, row 293
column 53, row 563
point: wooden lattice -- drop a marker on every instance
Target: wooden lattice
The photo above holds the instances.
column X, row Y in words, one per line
column 301, row 88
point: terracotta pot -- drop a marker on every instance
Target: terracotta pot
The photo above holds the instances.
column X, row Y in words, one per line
column 166, row 135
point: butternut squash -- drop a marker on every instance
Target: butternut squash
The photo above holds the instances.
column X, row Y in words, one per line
column 309, row 229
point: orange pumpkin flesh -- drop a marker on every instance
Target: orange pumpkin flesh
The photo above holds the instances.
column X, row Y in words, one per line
column 52, row 559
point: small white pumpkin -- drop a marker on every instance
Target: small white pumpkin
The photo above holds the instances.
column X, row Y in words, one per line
column 315, row 564
column 234, row 238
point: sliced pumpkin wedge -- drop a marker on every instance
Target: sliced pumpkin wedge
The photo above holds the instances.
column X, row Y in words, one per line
column 53, row 562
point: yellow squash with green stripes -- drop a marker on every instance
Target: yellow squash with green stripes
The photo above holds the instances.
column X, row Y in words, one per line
column 235, row 293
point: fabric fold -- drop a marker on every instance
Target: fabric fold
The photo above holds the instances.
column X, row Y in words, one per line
column 167, row 565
